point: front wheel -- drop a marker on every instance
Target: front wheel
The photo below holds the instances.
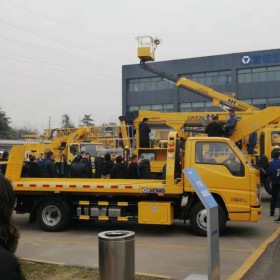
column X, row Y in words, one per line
column 198, row 219
column 53, row 215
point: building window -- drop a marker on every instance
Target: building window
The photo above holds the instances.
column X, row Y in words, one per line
column 149, row 84
column 198, row 107
column 145, row 107
column 248, row 101
column 168, row 107
column 211, row 78
column 257, row 75
column 155, row 107
column 274, row 101
column 133, row 108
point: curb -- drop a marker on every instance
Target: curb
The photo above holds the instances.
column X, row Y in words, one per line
column 247, row 265
column 39, row 261
column 154, row 275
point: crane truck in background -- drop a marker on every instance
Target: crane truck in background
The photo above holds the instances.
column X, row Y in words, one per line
column 268, row 130
column 233, row 181
column 64, row 147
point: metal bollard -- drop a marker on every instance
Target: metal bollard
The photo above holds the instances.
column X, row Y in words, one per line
column 116, row 255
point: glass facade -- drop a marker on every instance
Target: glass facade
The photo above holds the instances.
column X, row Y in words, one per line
column 153, row 107
column 198, row 107
column 257, row 75
column 254, row 77
column 149, row 84
column 211, row 78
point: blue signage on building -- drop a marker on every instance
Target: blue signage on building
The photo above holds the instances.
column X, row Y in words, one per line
column 256, row 59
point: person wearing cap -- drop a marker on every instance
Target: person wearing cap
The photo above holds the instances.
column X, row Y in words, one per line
column 144, row 131
column 214, row 129
column 231, row 123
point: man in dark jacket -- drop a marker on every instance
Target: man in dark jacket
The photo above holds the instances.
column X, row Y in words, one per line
column 231, row 123
column 49, row 166
column 145, row 169
column 34, row 169
column 77, row 168
column 98, row 163
column 107, row 166
column 133, row 169
column 9, row 266
column 144, row 131
column 119, row 170
column 274, row 173
column 214, row 129
column 87, row 161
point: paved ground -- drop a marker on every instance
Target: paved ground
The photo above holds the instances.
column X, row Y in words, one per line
column 166, row 250
column 267, row 267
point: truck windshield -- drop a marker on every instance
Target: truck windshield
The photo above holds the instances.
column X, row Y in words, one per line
column 218, row 153
column 91, row 148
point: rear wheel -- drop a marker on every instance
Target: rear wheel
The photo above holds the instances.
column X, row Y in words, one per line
column 198, row 219
column 53, row 215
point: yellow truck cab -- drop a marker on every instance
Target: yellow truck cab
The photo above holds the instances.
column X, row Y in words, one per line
column 54, row 202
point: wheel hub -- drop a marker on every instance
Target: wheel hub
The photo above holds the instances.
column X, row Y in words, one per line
column 51, row 215
column 202, row 219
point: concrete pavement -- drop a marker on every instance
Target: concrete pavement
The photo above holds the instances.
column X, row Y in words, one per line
column 172, row 251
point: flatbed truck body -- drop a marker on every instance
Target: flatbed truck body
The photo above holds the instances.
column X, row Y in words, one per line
column 54, row 202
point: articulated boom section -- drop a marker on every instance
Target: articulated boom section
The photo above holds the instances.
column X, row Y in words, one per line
column 215, row 96
column 255, row 122
column 202, row 90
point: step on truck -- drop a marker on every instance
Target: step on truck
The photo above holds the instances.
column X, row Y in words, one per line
column 54, row 202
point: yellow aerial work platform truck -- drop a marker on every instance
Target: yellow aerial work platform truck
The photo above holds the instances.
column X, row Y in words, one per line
column 233, row 181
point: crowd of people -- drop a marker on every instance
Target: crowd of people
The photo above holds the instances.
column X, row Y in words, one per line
column 105, row 167
column 81, row 167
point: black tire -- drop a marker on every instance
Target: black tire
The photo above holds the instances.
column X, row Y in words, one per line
column 267, row 186
column 53, row 215
column 198, row 219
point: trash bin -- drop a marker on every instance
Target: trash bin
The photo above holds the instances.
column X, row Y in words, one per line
column 116, row 255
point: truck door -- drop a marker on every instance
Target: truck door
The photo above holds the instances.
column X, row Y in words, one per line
column 221, row 166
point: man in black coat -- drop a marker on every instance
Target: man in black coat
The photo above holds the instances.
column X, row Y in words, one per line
column 34, row 169
column 145, row 169
column 133, row 169
column 119, row 170
column 144, row 131
column 87, row 161
column 107, row 166
column 98, row 163
column 49, row 166
column 214, row 129
column 78, row 169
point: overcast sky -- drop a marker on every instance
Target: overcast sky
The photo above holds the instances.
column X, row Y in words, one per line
column 65, row 56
